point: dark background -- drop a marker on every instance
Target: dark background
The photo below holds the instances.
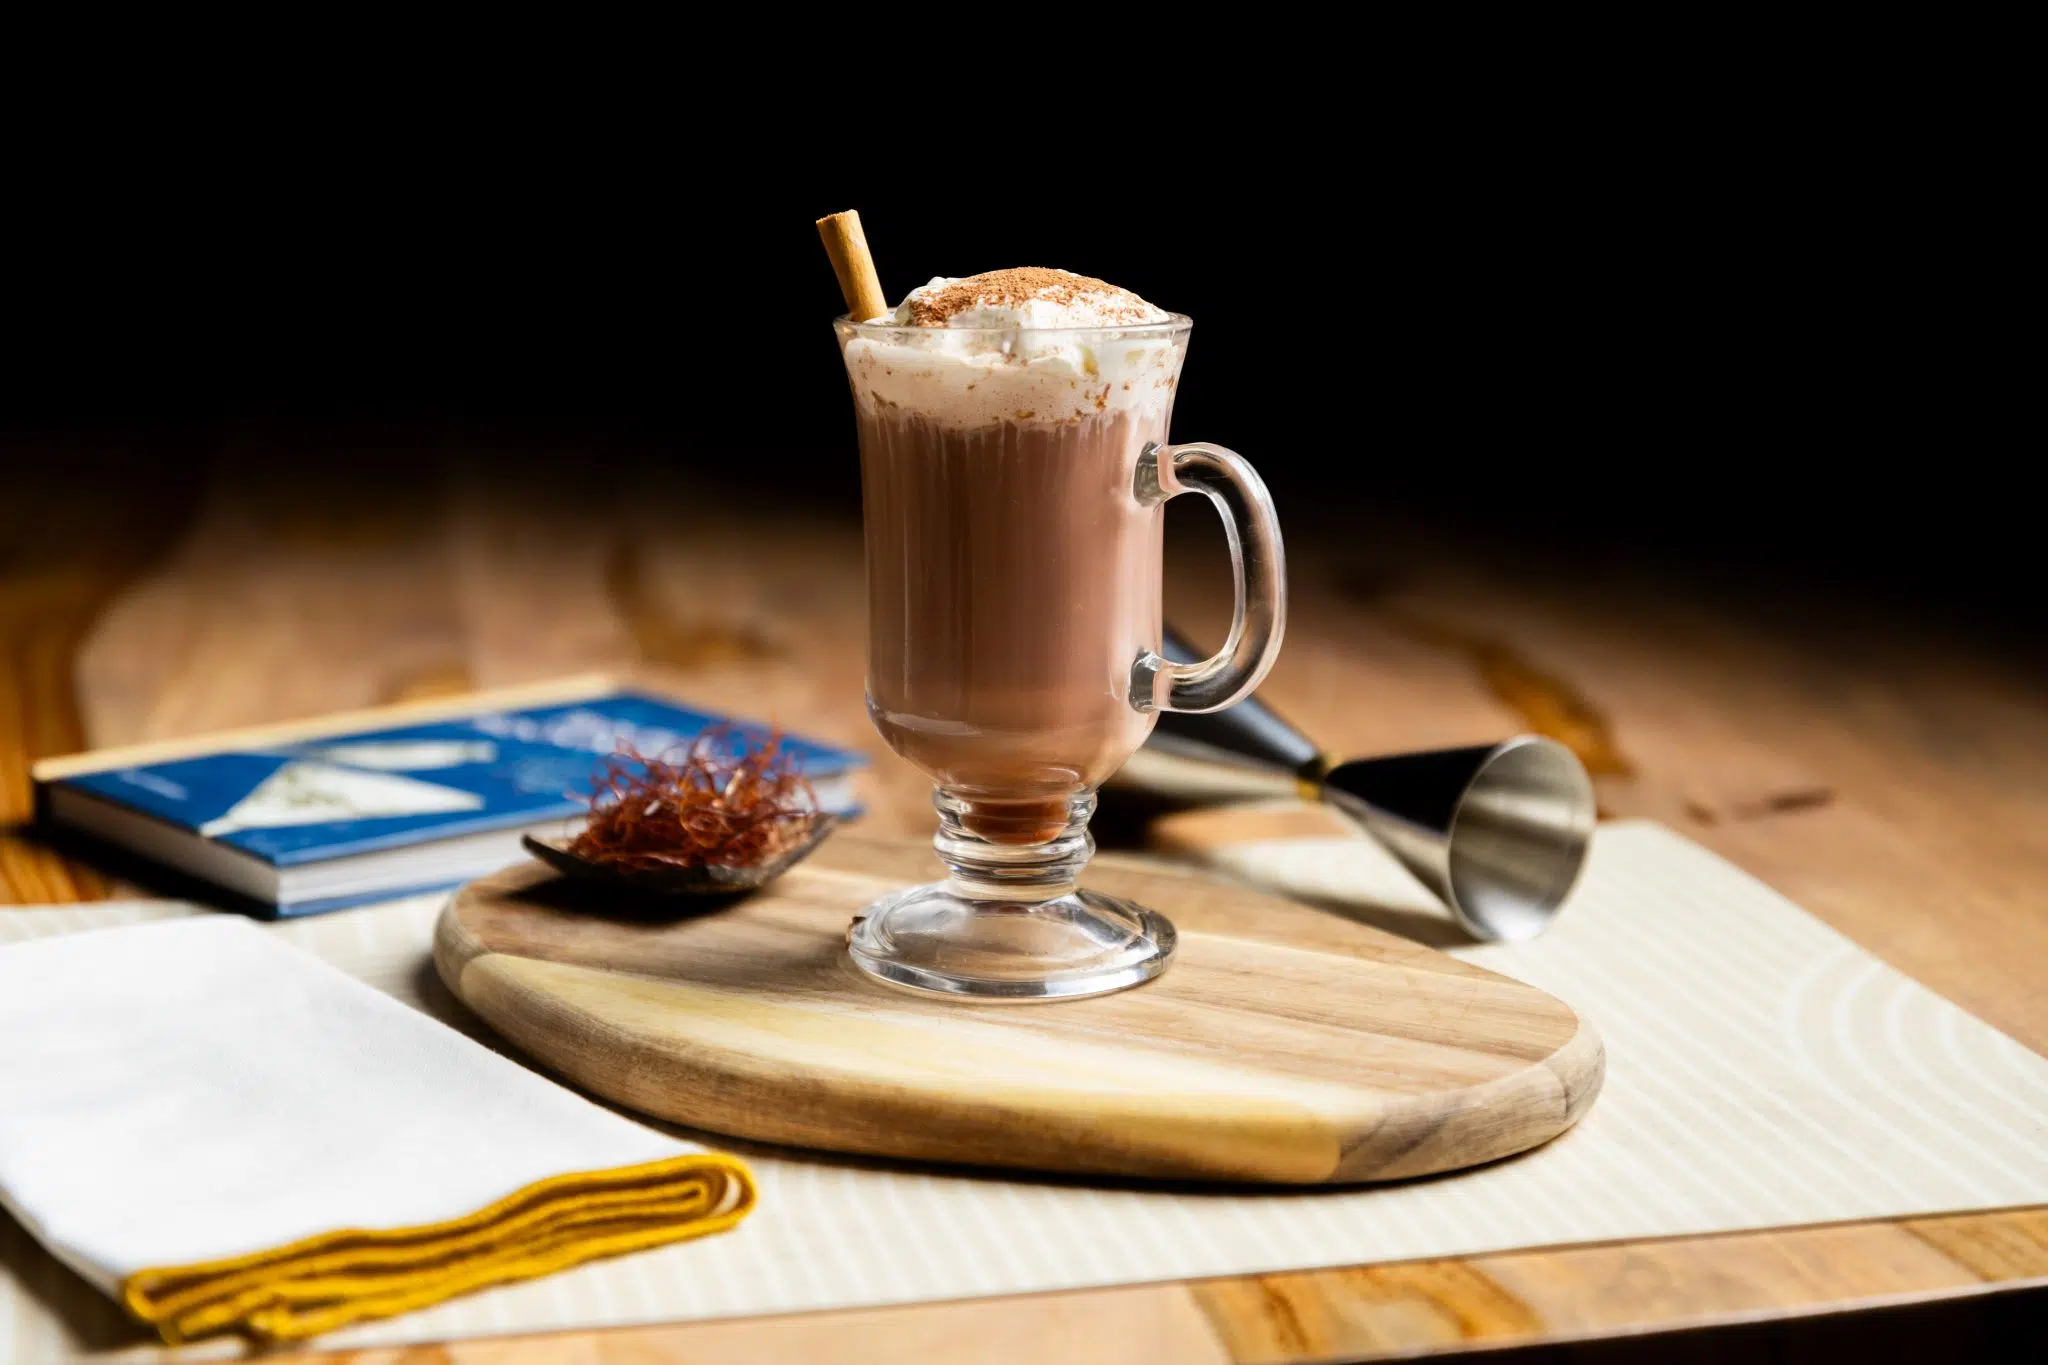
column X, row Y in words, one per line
column 1745, row 354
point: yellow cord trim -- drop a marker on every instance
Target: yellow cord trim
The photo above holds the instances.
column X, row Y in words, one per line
column 336, row 1278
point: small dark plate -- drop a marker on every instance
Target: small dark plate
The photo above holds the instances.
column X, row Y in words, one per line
column 681, row 881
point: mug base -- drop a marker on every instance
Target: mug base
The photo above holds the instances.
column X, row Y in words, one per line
column 934, row 940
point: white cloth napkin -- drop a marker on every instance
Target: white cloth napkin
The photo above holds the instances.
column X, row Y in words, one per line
column 227, row 1133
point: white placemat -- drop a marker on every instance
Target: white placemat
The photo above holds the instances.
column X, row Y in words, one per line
column 1762, row 1071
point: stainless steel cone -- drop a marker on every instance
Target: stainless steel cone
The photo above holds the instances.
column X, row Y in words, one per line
column 1498, row 831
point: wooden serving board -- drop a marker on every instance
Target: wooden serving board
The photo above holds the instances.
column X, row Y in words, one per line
column 1284, row 1044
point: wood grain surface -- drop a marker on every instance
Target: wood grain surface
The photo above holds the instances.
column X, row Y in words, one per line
column 1282, row 1045
column 1893, row 781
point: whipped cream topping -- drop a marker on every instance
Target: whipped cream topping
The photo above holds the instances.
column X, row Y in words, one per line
column 989, row 348
column 1027, row 298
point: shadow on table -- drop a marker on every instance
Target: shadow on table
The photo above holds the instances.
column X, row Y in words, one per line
column 1005, row 1175
column 1987, row 1327
column 89, row 1320
column 1123, row 824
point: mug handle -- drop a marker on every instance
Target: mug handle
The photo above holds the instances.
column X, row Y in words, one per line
column 1258, row 564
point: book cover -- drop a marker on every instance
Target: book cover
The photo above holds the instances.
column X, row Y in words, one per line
column 342, row 794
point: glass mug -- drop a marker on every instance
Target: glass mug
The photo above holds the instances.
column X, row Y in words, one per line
column 1013, row 485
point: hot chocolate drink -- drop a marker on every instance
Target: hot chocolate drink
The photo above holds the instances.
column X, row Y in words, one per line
column 1013, row 572
column 1015, row 468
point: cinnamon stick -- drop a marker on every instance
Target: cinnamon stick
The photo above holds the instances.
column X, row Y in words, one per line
column 847, row 245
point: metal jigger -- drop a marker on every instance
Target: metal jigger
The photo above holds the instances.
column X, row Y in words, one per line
column 1498, row 831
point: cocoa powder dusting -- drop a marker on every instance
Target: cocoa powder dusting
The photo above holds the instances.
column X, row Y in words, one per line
column 1008, row 287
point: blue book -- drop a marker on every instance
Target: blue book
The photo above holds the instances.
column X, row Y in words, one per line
column 322, row 815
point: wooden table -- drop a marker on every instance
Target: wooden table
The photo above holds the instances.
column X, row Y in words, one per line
column 1894, row 783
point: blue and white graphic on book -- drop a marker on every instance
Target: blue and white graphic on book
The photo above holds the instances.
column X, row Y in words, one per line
column 407, row 756
column 348, row 794
column 308, row 793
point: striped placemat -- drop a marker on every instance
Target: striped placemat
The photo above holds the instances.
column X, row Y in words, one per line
column 1762, row 1071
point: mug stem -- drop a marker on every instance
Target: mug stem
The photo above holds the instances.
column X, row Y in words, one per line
column 1012, row 850
column 1008, row 922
